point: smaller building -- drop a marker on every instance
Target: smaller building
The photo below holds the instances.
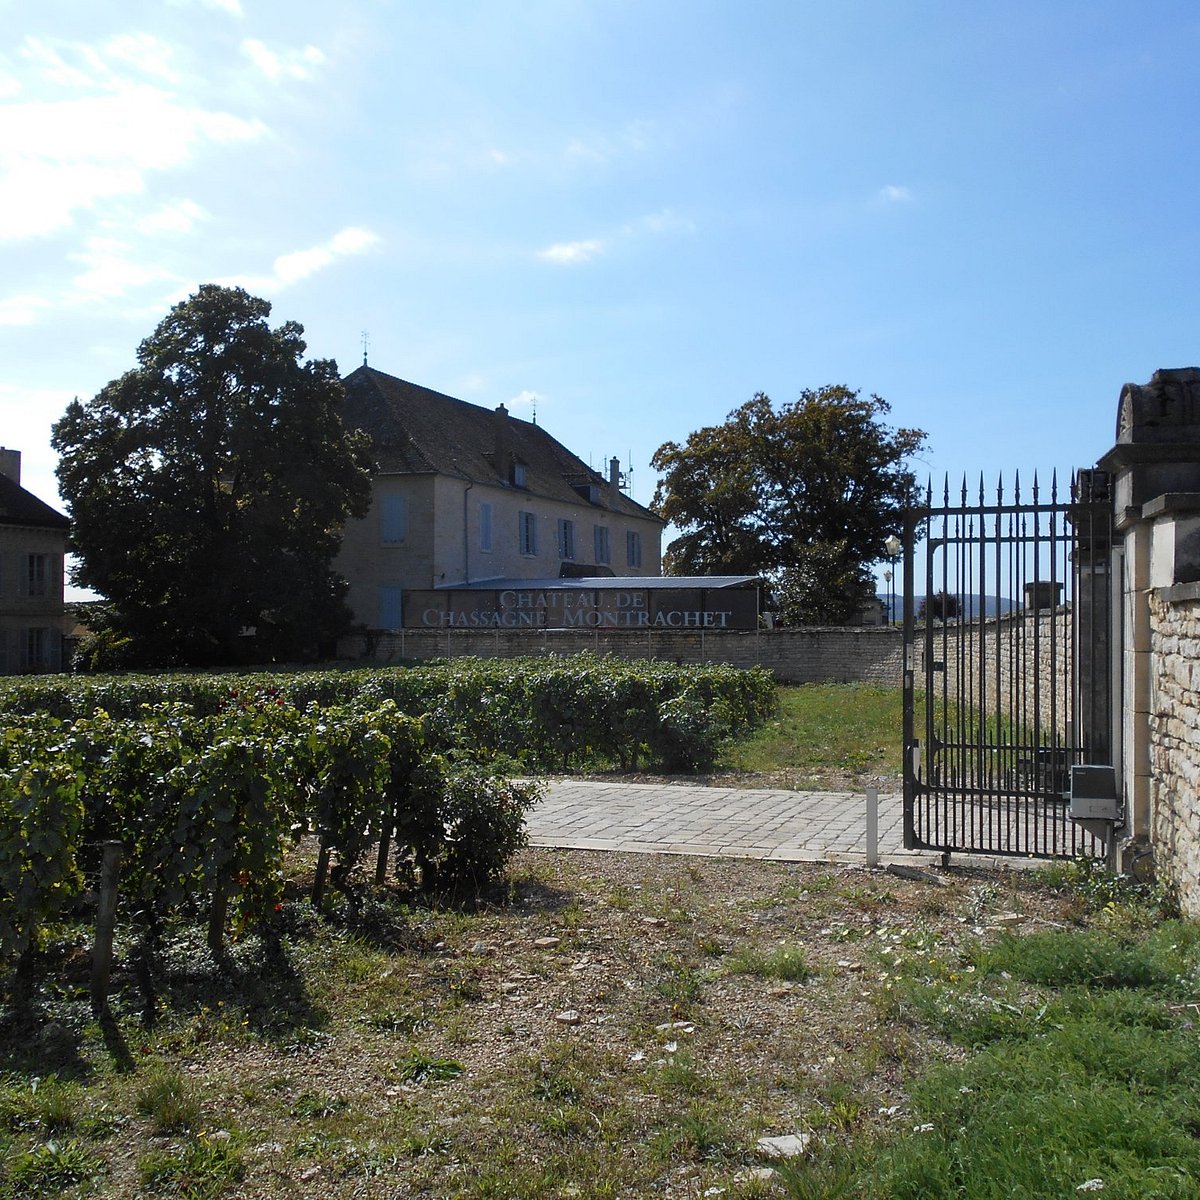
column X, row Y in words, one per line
column 33, row 543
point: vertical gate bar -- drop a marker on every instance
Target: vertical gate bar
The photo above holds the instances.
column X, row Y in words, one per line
column 952, row 680
column 1049, row 811
column 977, row 816
column 1028, row 742
column 1002, row 725
column 908, row 677
column 1035, row 662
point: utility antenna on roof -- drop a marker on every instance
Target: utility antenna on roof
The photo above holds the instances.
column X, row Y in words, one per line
column 366, row 341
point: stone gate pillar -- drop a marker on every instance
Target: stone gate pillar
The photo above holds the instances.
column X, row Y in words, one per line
column 1155, row 473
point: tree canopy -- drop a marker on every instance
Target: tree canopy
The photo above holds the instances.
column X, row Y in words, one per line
column 804, row 494
column 209, row 485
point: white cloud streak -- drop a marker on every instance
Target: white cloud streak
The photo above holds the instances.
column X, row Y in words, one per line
column 105, row 124
column 585, row 250
column 298, row 265
column 280, row 65
column 895, row 194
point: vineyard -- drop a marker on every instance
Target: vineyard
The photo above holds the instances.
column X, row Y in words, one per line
column 162, row 797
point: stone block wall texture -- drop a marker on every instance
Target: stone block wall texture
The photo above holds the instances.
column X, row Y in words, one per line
column 1175, row 745
column 1018, row 666
column 835, row 655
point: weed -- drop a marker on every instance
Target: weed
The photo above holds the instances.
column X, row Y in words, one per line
column 46, row 1105
column 418, row 1068
column 317, row 1106
column 49, row 1168
column 200, row 1170
column 784, row 962
column 166, row 1099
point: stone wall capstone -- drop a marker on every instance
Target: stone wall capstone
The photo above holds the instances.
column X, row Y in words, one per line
column 817, row 655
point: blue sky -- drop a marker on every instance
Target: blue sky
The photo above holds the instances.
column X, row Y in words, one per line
column 638, row 213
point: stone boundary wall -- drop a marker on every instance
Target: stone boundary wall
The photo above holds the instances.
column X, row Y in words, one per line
column 818, row 655
column 1175, row 740
column 1025, row 667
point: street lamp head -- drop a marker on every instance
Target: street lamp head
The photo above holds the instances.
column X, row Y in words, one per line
column 892, row 546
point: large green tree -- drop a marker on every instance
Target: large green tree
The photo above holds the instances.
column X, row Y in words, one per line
column 804, row 494
column 209, row 485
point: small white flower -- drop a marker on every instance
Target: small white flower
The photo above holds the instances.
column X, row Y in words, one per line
column 926, row 1128
column 1091, row 1185
column 890, row 1111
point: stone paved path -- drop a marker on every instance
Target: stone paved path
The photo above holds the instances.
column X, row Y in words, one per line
column 735, row 822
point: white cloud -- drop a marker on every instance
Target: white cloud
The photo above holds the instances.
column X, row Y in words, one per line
column 526, row 399
column 145, row 53
column 97, row 130
column 21, row 310
column 232, row 7
column 112, row 269
column 177, row 216
column 895, row 194
column 291, row 268
column 283, row 64
column 570, row 253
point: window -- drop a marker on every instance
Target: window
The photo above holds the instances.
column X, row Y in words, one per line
column 37, row 646
column 38, row 572
column 485, row 527
column 566, row 538
column 391, row 598
column 527, row 532
column 393, row 520
column 633, row 548
column 600, row 539
column 518, row 474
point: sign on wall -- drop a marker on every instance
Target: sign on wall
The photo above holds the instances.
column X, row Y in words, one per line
column 584, row 608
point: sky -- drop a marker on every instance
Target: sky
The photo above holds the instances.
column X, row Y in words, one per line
column 626, row 215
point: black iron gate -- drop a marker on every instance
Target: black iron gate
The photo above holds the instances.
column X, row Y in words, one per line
column 1008, row 659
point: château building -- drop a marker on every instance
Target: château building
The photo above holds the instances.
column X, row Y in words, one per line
column 467, row 495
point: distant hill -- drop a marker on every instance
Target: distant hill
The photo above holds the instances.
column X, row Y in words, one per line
column 993, row 606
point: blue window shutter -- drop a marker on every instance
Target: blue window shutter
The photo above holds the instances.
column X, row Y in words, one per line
column 390, row 606
column 394, row 516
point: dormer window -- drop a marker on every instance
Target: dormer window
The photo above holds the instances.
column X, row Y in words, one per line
column 519, row 475
column 589, row 491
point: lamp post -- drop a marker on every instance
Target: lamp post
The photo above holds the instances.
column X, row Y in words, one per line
column 893, row 547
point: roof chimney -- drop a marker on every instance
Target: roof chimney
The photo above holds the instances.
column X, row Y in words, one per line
column 614, row 475
column 503, row 444
column 10, row 464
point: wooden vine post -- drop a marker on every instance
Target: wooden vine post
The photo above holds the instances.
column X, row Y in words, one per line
column 106, row 919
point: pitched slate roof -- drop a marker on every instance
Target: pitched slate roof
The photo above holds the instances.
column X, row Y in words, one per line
column 19, row 507
column 416, row 430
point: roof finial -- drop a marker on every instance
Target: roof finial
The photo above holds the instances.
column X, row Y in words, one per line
column 366, row 341
column 535, row 408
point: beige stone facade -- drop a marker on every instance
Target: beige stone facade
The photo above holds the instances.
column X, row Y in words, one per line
column 32, row 549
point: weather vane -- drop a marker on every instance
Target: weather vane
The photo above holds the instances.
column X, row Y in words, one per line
column 366, row 341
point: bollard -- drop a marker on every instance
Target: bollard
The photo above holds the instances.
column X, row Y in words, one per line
column 872, row 827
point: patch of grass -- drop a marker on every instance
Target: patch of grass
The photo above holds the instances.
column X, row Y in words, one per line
column 47, row 1169
column 49, row 1105
column 419, row 1068
column 699, row 1134
column 316, row 1106
column 1094, row 959
column 824, row 729
column 789, row 963
column 167, row 1100
column 199, row 1170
